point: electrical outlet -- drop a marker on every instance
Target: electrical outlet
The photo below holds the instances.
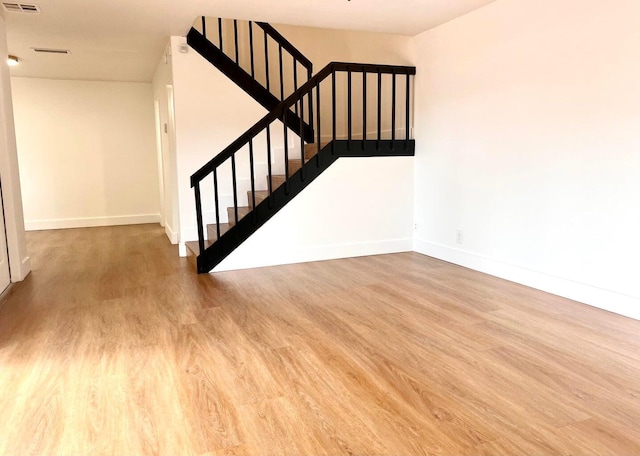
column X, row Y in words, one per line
column 459, row 237
column 415, row 226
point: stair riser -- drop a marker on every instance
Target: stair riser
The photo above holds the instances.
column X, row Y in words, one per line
column 294, row 165
column 212, row 231
column 276, row 181
column 242, row 211
column 260, row 197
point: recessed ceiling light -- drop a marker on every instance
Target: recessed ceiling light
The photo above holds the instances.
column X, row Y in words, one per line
column 12, row 60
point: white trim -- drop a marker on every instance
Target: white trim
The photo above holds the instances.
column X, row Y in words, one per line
column 320, row 253
column 172, row 235
column 609, row 300
column 56, row 224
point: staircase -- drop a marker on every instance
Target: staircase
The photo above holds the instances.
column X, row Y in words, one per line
column 345, row 110
column 246, row 56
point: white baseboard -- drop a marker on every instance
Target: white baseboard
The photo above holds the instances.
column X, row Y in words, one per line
column 609, row 300
column 56, row 224
column 172, row 235
column 23, row 272
column 313, row 253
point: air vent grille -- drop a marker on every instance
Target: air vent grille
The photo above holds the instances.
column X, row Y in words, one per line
column 51, row 51
column 20, row 7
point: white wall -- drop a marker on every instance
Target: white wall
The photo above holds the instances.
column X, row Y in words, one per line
column 166, row 141
column 322, row 46
column 11, row 194
column 527, row 128
column 87, row 152
column 358, row 206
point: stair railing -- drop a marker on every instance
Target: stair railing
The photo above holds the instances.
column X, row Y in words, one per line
column 332, row 89
column 254, row 54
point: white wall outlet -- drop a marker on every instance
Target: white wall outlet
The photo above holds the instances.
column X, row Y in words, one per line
column 459, row 237
column 415, row 226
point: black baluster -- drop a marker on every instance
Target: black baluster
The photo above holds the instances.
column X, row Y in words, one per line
column 310, row 102
column 333, row 111
column 215, row 200
column 302, row 157
column 220, row 33
column 364, row 106
column 281, row 77
column 270, row 183
column 393, row 110
column 235, row 38
column 286, row 152
column 235, row 187
column 406, row 141
column 253, row 182
column 204, row 27
column 295, row 82
column 199, row 218
column 318, row 120
column 266, row 59
column 349, row 109
column 253, row 69
column 379, row 109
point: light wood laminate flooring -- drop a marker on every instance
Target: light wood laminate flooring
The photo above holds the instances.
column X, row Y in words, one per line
column 114, row 346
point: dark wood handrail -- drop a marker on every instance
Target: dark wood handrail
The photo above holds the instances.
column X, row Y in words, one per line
column 268, row 28
column 283, row 107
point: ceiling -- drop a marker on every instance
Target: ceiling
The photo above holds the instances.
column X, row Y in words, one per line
column 123, row 40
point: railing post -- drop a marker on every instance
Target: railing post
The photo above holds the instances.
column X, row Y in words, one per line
column 204, row 27
column 199, row 218
column 220, row 33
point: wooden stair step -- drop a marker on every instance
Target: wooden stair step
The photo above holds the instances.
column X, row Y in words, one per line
column 212, row 231
column 311, row 149
column 242, row 211
column 261, row 195
column 277, row 180
column 294, row 164
column 193, row 250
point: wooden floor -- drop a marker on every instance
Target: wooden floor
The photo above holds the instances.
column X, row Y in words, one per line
column 113, row 346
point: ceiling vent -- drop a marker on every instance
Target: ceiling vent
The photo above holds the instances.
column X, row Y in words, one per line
column 20, row 7
column 51, row 51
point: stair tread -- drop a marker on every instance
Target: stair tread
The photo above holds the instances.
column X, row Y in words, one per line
column 193, row 247
column 242, row 211
column 211, row 229
column 311, row 149
column 260, row 196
